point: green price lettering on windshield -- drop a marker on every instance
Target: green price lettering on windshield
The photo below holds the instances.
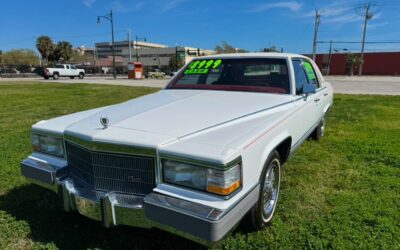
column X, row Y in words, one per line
column 310, row 71
column 217, row 63
column 194, row 64
column 201, row 64
column 202, row 67
column 209, row 63
column 196, row 71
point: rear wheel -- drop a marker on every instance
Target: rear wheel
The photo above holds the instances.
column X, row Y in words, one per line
column 72, row 77
column 46, row 77
column 319, row 130
column 56, row 76
column 262, row 213
column 81, row 75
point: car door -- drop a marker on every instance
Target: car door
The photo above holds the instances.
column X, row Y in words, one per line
column 68, row 70
column 74, row 71
column 318, row 97
column 306, row 110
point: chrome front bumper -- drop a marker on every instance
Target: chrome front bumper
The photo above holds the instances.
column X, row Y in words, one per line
column 191, row 220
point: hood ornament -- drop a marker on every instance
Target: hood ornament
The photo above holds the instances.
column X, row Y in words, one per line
column 104, row 121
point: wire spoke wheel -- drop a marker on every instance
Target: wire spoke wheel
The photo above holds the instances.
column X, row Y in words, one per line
column 270, row 190
column 322, row 126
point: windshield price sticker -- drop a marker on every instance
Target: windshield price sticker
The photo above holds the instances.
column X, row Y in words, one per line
column 202, row 66
column 310, row 71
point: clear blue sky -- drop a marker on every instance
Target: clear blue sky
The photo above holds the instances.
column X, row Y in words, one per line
column 250, row 24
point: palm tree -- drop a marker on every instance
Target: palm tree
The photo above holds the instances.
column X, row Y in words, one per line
column 45, row 46
column 63, row 50
column 352, row 60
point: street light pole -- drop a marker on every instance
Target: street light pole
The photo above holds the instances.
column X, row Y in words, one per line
column 136, row 47
column 129, row 44
column 109, row 17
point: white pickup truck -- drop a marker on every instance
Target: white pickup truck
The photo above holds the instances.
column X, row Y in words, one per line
column 64, row 70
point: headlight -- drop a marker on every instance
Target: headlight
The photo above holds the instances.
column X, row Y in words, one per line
column 223, row 182
column 48, row 145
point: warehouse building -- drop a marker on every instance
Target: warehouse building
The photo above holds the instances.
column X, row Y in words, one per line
column 375, row 63
column 152, row 55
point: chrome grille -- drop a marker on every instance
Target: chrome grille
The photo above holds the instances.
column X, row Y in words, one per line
column 108, row 172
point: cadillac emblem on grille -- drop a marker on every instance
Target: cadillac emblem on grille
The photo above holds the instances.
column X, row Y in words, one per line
column 104, row 121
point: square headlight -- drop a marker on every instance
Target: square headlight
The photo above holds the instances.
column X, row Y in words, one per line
column 48, row 144
column 222, row 182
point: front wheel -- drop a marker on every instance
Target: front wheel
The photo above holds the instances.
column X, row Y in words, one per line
column 263, row 211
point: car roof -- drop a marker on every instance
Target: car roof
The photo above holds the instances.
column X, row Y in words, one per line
column 256, row 55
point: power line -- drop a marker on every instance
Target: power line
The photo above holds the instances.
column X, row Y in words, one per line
column 374, row 42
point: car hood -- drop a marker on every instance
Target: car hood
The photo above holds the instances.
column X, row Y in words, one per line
column 175, row 113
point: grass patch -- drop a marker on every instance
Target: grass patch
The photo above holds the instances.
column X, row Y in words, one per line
column 342, row 192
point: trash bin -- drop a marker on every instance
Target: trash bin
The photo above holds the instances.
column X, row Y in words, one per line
column 135, row 70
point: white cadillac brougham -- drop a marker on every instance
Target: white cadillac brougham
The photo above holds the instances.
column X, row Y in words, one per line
column 193, row 158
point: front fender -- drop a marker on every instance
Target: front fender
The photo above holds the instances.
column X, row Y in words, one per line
column 271, row 145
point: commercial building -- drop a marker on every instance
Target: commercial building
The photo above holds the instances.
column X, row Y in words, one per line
column 152, row 55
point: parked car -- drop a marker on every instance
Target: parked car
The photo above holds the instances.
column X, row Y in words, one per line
column 63, row 70
column 155, row 74
column 193, row 158
column 9, row 71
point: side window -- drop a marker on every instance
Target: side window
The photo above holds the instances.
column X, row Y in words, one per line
column 312, row 78
column 67, row 66
column 299, row 76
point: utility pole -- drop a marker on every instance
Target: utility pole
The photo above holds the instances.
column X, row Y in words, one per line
column 129, row 44
column 316, row 25
column 109, row 17
column 329, row 59
column 94, row 55
column 136, row 48
column 176, row 58
column 368, row 15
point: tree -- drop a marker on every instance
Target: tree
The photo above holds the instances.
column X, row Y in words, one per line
column 352, row 60
column 45, row 46
column 1, row 57
column 22, row 59
column 226, row 48
column 273, row 48
column 63, row 50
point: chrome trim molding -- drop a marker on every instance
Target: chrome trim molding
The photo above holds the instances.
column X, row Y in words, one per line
column 111, row 147
column 201, row 163
column 46, row 133
column 113, row 209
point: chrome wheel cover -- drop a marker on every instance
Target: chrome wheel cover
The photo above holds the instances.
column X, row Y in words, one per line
column 270, row 190
column 322, row 126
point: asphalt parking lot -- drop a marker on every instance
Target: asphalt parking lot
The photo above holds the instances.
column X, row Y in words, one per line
column 376, row 85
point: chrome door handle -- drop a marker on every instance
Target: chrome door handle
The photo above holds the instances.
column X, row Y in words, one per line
column 316, row 100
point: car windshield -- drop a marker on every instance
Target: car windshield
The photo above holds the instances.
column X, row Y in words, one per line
column 242, row 74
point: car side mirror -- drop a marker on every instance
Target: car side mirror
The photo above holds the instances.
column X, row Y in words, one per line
column 309, row 89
